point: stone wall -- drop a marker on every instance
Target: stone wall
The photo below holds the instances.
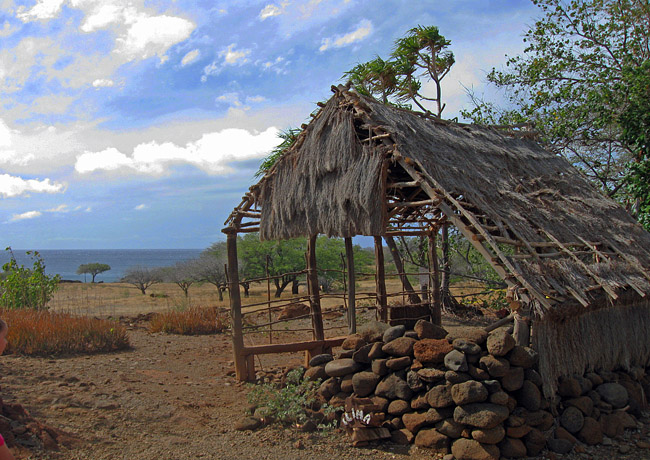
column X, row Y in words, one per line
column 474, row 394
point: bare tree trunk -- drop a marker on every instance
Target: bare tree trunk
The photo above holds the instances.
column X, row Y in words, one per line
column 413, row 297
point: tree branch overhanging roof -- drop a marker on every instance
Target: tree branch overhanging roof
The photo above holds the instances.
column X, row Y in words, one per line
column 532, row 215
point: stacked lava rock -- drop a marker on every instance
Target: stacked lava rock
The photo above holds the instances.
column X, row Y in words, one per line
column 474, row 394
column 597, row 405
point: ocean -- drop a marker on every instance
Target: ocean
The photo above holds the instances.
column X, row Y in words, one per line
column 65, row 262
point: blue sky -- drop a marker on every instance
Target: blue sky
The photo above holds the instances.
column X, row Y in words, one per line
column 140, row 124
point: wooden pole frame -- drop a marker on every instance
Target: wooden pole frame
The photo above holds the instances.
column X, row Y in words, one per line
column 352, row 305
column 380, row 278
column 241, row 367
column 314, row 298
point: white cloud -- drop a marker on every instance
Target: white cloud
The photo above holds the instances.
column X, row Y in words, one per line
column 103, row 83
column 102, row 17
column 11, row 186
column 6, row 30
column 362, row 31
column 43, row 9
column 60, row 208
column 270, row 10
column 190, row 57
column 212, row 153
column 25, row 215
column 232, row 56
column 153, row 35
column 253, row 99
column 141, row 207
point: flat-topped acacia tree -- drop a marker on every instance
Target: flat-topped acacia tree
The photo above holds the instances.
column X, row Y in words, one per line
column 93, row 269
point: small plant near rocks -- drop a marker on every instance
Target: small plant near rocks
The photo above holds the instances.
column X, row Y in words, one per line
column 289, row 404
column 190, row 321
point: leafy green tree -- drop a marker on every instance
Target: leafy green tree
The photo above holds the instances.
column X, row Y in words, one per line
column 571, row 83
column 93, row 269
column 422, row 52
column 285, row 258
column 635, row 122
column 22, row 287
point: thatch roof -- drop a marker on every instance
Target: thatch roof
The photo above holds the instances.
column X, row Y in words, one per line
column 537, row 220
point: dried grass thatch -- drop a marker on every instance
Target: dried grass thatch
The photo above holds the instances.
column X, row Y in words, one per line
column 608, row 338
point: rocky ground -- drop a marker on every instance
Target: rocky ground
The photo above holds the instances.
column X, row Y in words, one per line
column 174, row 397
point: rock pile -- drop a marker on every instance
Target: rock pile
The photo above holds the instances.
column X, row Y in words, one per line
column 474, row 394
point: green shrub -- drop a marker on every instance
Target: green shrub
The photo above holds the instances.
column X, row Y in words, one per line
column 289, row 404
column 22, row 287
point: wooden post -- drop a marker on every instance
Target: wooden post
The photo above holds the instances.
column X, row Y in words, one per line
column 413, row 297
column 521, row 331
column 382, row 304
column 268, row 298
column 241, row 368
column 352, row 313
column 444, row 283
column 314, row 297
column 436, row 310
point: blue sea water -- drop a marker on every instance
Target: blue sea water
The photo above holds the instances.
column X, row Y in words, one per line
column 65, row 262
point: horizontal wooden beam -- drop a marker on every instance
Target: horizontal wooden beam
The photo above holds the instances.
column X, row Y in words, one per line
column 291, row 347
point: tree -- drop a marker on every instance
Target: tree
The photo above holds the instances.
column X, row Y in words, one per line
column 182, row 274
column 285, row 259
column 571, row 83
column 422, row 52
column 93, row 269
column 22, row 287
column 141, row 277
column 211, row 267
column 635, row 122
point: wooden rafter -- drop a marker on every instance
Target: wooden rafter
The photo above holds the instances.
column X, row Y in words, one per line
column 501, row 264
column 584, row 266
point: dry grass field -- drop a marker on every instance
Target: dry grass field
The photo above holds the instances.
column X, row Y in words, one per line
column 121, row 299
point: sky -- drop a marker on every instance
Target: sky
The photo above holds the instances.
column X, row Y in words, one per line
column 141, row 123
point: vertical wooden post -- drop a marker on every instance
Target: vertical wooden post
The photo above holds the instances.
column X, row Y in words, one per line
column 314, row 297
column 268, row 298
column 241, row 369
column 380, row 280
column 521, row 330
column 444, row 283
column 352, row 313
column 436, row 310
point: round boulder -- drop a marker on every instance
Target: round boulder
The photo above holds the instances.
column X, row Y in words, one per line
column 613, row 393
column 469, row 392
column 364, row 383
column 572, row 419
column 401, row 346
column 341, row 367
column 469, row 449
column 481, row 415
column 499, row 343
column 393, row 332
column 431, row 350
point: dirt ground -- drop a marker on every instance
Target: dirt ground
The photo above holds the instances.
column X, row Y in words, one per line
column 169, row 398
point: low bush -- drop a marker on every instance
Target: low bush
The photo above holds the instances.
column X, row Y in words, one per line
column 290, row 403
column 24, row 287
column 190, row 321
column 45, row 333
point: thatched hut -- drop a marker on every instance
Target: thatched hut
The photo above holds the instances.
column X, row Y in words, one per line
column 576, row 263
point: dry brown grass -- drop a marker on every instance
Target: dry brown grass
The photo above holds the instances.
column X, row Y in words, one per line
column 45, row 333
column 191, row 321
